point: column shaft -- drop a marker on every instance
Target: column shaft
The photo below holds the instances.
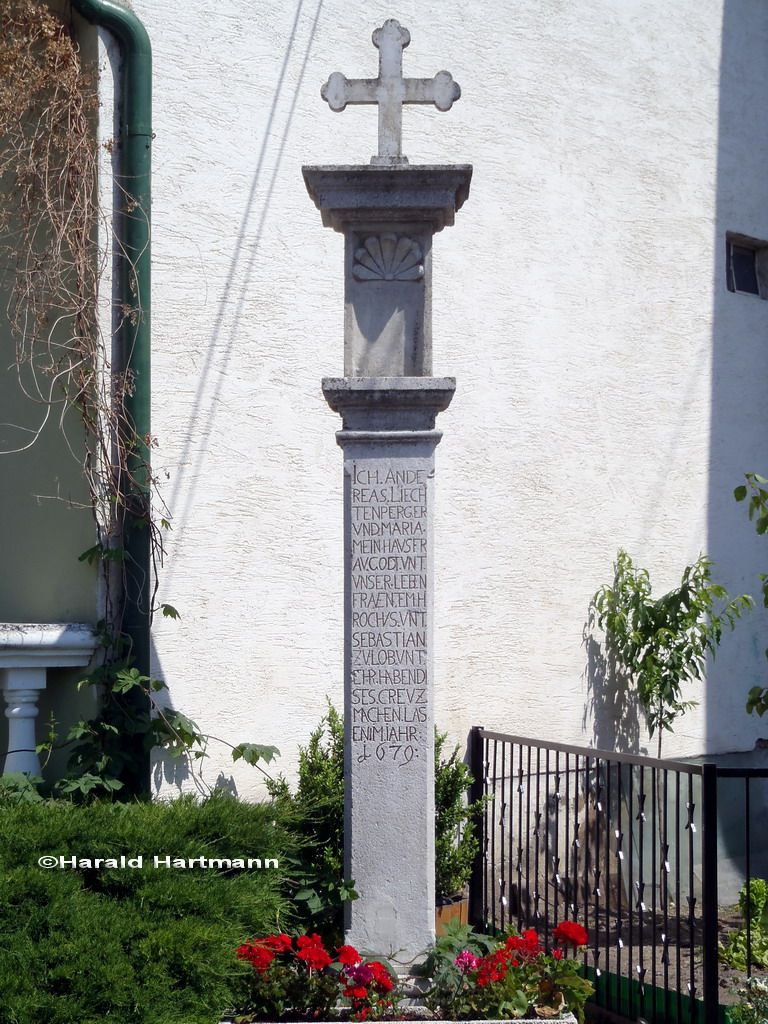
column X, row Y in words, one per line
column 389, row 445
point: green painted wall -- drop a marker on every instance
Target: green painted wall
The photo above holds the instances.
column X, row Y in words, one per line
column 45, row 517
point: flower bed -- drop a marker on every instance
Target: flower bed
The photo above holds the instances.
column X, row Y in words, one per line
column 470, row 977
column 512, row 978
column 566, row 1018
column 302, row 981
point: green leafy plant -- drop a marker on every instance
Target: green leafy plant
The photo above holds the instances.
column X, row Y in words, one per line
column 662, row 644
column 455, row 819
column 752, row 1007
column 511, row 978
column 18, row 788
column 757, row 698
column 749, row 943
column 440, row 963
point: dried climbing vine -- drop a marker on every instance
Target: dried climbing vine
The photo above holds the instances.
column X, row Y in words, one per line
column 49, row 217
column 48, row 222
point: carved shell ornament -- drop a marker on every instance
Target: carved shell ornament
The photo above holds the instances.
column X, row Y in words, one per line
column 388, row 257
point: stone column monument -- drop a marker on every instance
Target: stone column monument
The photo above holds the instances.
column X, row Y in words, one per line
column 388, row 212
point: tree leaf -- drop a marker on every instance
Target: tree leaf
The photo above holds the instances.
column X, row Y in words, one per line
column 254, row 752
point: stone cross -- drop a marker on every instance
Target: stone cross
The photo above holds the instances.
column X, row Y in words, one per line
column 390, row 90
column 388, row 401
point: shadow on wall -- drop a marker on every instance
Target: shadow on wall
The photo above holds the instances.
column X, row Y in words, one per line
column 612, row 706
column 739, row 409
column 179, row 772
column 226, row 335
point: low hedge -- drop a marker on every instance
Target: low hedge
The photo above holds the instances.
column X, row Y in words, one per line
column 153, row 945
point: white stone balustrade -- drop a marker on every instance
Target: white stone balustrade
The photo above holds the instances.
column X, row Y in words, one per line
column 27, row 651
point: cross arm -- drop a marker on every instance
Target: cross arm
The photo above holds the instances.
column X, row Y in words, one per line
column 339, row 90
column 440, row 90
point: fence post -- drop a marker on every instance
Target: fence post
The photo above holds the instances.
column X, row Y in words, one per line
column 709, row 892
column 476, row 792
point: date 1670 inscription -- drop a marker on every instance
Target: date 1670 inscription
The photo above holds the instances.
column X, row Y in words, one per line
column 388, row 635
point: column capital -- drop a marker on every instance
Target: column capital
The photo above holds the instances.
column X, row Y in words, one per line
column 353, row 194
column 388, row 408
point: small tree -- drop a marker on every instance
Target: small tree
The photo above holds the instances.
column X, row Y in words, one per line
column 662, row 644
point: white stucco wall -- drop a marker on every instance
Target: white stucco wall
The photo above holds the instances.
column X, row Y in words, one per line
column 609, row 388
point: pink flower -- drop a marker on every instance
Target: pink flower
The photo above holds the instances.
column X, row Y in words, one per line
column 466, row 961
column 361, row 974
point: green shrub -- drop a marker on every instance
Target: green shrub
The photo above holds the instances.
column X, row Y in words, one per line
column 455, row 840
column 132, row 946
column 316, row 813
column 662, row 645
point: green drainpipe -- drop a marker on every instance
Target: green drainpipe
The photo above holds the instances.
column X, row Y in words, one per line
column 132, row 336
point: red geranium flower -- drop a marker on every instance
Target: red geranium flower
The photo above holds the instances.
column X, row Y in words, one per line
column 259, row 956
column 357, row 993
column 492, row 967
column 348, row 955
column 309, row 940
column 570, row 933
column 381, row 976
column 525, row 945
column 314, row 956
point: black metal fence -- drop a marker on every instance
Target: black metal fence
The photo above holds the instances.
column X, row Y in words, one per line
column 633, row 848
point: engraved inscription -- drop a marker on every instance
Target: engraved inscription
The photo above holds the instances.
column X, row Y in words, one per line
column 388, row 636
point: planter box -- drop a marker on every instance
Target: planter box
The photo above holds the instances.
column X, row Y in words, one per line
column 567, row 1018
column 456, row 910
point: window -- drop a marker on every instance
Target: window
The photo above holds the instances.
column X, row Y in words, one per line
column 746, row 265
